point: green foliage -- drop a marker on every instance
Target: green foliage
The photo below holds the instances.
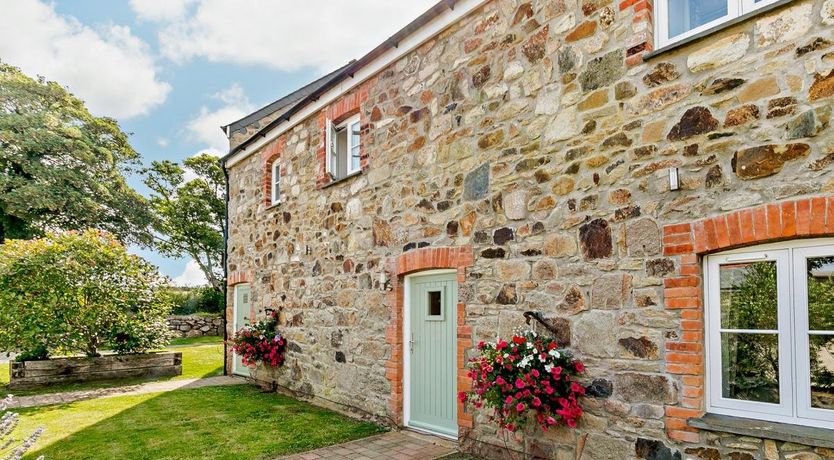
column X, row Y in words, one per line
column 61, row 167
column 77, row 292
column 751, row 363
column 188, row 301
column 188, row 215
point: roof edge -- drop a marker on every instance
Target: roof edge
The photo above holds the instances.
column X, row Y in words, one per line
column 348, row 71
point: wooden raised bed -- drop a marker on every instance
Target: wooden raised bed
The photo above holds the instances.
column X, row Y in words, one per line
column 34, row 374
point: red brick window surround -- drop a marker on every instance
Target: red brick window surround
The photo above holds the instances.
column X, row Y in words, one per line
column 397, row 268
column 340, row 110
column 683, row 291
column 270, row 154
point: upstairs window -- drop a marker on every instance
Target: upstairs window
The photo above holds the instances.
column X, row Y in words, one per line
column 343, row 148
column 276, row 183
column 770, row 333
column 680, row 19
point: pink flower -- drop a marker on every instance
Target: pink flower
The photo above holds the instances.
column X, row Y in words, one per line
column 537, row 402
column 519, row 407
column 580, row 367
column 508, row 400
column 519, row 383
column 500, row 380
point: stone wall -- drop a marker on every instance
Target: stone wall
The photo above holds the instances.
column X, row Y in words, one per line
column 196, row 325
column 529, row 131
column 55, row 371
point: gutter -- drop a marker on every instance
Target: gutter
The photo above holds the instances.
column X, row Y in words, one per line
column 225, row 269
column 349, row 71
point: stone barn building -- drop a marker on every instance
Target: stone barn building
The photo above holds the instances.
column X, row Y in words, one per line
column 653, row 177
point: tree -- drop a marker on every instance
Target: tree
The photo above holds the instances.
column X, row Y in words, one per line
column 78, row 292
column 60, row 167
column 188, row 214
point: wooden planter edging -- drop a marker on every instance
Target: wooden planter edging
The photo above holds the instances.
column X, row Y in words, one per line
column 33, row 374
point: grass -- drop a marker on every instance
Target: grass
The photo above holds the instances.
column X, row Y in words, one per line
column 229, row 422
column 201, row 357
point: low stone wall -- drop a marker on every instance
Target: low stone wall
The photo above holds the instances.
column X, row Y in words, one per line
column 196, row 325
column 35, row 374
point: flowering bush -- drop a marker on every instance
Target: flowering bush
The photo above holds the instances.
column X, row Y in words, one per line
column 260, row 343
column 528, row 377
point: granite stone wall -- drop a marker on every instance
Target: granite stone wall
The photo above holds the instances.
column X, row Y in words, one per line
column 196, row 325
column 534, row 132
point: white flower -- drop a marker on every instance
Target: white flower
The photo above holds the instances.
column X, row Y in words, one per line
column 548, row 367
column 529, row 345
column 554, row 353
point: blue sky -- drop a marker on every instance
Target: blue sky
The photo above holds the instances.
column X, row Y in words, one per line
column 173, row 71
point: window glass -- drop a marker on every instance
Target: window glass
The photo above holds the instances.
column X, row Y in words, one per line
column 354, row 146
column 685, row 15
column 820, row 277
column 748, row 296
column 749, row 341
column 435, row 303
column 750, row 367
column 276, row 178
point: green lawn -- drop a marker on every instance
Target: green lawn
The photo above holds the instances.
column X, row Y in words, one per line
column 231, row 422
column 201, row 357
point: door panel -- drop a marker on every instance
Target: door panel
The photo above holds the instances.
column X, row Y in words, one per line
column 242, row 312
column 433, row 348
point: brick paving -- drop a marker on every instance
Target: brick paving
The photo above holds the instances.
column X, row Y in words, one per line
column 392, row 445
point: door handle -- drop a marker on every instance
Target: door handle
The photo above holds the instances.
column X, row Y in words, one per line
column 411, row 344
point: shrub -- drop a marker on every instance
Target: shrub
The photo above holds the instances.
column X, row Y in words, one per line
column 526, row 378
column 78, row 292
column 187, row 301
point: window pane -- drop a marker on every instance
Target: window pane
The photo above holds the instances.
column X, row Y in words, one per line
column 822, row 371
column 748, row 296
column 354, row 132
column 434, row 303
column 685, row 15
column 820, row 275
column 750, row 367
column 354, row 158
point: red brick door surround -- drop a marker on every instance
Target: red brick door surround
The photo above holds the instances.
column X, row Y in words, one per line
column 683, row 291
column 429, row 258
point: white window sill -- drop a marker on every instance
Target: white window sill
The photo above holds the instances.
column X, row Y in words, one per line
column 724, row 25
column 272, row 206
column 799, row 434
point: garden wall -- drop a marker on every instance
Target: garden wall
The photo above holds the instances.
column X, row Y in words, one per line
column 196, row 325
column 32, row 374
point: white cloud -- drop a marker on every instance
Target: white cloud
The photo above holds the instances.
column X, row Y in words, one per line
column 162, row 142
column 191, row 276
column 286, row 34
column 205, row 126
column 159, row 10
column 112, row 70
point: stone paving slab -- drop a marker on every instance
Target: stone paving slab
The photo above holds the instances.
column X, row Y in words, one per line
column 144, row 388
column 392, row 445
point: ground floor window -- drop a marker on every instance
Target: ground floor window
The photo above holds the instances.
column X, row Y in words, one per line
column 770, row 332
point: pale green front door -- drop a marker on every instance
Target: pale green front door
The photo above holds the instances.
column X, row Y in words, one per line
column 432, row 352
column 242, row 303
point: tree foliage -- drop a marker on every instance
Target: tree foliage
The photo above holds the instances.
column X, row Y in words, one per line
column 78, row 292
column 189, row 208
column 61, row 168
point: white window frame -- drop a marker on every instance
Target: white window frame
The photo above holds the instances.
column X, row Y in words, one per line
column 333, row 156
column 275, row 186
column 794, row 374
column 735, row 9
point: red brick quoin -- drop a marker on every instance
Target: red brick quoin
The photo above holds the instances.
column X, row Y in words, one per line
column 459, row 258
column 804, row 218
column 641, row 40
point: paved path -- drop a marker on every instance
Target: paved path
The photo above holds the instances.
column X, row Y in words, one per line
column 393, row 445
column 152, row 387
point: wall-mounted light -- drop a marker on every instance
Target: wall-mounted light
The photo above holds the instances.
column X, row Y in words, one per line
column 674, row 180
